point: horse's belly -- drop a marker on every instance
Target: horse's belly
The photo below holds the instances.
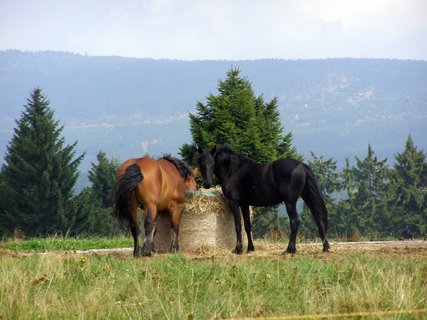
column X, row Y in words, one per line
column 262, row 198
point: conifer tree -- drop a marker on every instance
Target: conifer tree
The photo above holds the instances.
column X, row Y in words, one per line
column 236, row 116
column 372, row 176
column 248, row 123
column 103, row 177
column 365, row 209
column 408, row 198
column 39, row 173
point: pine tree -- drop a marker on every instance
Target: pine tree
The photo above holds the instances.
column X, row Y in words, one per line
column 252, row 126
column 366, row 207
column 343, row 225
column 103, row 177
column 236, row 116
column 408, row 196
column 39, row 173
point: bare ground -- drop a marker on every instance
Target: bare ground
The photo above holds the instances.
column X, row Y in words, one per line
column 269, row 250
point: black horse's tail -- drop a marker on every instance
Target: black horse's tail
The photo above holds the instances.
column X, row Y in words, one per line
column 123, row 191
column 314, row 200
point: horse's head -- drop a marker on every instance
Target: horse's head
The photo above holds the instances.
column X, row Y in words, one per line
column 206, row 163
column 190, row 182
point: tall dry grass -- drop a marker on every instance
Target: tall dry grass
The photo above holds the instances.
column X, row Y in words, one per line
column 176, row 286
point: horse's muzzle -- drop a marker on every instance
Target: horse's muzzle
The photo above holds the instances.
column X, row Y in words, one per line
column 207, row 185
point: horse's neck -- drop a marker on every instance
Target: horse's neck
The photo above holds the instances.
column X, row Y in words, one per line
column 225, row 173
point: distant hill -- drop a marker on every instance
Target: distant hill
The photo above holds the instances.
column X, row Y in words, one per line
column 128, row 107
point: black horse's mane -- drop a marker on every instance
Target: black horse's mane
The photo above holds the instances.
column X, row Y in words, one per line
column 236, row 159
column 229, row 150
column 180, row 165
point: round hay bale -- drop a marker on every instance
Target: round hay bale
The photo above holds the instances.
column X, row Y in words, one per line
column 206, row 221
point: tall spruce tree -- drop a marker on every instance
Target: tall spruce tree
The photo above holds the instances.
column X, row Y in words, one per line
column 366, row 184
column 248, row 123
column 103, row 178
column 39, row 173
column 408, row 198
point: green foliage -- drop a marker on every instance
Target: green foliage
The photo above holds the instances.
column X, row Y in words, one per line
column 39, row 173
column 408, row 193
column 372, row 200
column 92, row 207
column 103, row 178
column 367, row 192
column 91, row 218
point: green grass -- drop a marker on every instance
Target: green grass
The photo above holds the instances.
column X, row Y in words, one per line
column 178, row 286
column 65, row 243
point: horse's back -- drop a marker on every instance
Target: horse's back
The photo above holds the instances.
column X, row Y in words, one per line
column 286, row 166
column 147, row 166
column 272, row 183
column 150, row 186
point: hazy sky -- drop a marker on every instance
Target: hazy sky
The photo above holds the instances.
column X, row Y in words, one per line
column 218, row 29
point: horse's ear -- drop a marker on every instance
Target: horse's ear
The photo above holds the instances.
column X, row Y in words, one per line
column 195, row 172
column 213, row 150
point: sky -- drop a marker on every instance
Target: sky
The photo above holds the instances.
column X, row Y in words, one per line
column 218, row 29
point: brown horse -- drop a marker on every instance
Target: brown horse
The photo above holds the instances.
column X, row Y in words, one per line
column 155, row 185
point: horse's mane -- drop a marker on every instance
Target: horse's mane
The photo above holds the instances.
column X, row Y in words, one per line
column 180, row 165
column 229, row 150
column 236, row 159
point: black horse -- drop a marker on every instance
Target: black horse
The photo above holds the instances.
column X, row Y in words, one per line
column 247, row 183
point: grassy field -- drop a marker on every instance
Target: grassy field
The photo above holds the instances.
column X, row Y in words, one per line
column 70, row 244
column 209, row 284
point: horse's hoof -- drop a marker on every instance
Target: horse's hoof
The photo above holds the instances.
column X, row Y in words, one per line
column 146, row 253
column 326, row 247
column 290, row 251
column 237, row 250
column 251, row 248
column 137, row 252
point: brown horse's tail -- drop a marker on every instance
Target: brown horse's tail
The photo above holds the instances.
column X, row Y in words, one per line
column 123, row 191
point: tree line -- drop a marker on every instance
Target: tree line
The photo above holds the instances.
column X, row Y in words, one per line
column 369, row 198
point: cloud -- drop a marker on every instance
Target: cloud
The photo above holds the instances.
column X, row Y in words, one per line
column 219, row 29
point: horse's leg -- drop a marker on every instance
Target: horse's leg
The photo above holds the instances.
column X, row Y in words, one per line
column 234, row 207
column 176, row 212
column 150, row 229
column 294, row 221
column 322, row 225
column 134, row 226
column 315, row 203
column 248, row 226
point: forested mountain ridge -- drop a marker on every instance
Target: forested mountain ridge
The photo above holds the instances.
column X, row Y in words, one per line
column 127, row 107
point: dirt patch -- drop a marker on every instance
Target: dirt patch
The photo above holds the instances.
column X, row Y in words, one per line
column 268, row 250
column 9, row 253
